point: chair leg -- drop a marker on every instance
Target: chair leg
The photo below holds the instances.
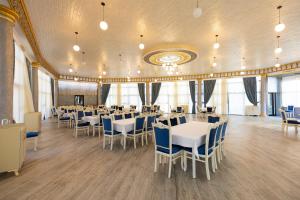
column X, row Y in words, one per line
column 207, row 169
column 93, row 131
column 155, row 162
column 16, row 173
column 111, row 143
column 146, row 137
column 215, row 160
column 213, row 165
column 104, row 141
column 134, row 140
column 143, row 139
column 35, row 143
column 218, row 153
column 170, row 166
column 76, row 132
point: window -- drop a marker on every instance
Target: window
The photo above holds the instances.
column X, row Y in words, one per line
column 130, row 95
column 112, row 98
column 291, row 91
column 45, row 96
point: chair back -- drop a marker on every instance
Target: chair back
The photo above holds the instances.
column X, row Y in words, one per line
column 163, row 121
column 181, row 119
column 290, row 108
column 139, row 124
column 211, row 139
column 80, row 114
column 162, row 137
column 118, row 116
column 135, row 114
column 101, row 115
column 283, row 115
column 128, row 115
column 209, row 109
column 88, row 113
column 224, row 129
column 179, row 109
column 150, row 121
column 107, row 125
column 173, row 121
column 212, row 119
column 32, row 121
column 218, row 133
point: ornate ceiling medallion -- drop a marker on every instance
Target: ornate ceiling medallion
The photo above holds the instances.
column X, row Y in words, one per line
column 174, row 55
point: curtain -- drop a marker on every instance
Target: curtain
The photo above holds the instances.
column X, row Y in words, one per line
column 141, row 87
column 45, row 96
column 105, row 91
column 52, row 90
column 155, row 92
column 251, row 89
column 192, row 85
column 209, row 86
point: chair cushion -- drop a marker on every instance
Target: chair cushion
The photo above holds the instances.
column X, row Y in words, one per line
column 137, row 132
column 32, row 134
column 109, row 133
column 293, row 122
column 175, row 149
column 82, row 124
column 201, row 150
column 64, row 118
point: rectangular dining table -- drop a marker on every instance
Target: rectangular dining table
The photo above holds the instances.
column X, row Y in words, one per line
column 124, row 126
column 191, row 135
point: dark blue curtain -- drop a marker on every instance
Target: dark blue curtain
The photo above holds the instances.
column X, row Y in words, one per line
column 192, row 85
column 251, row 89
column 155, row 92
column 141, row 87
column 209, row 86
column 104, row 93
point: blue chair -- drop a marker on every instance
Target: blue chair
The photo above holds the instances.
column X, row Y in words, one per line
column 163, row 121
column 182, row 119
column 118, row 116
column 135, row 114
column 217, row 148
column 286, row 122
column 149, row 126
column 173, row 121
column 138, row 131
column 88, row 113
column 32, row 121
column 223, row 137
column 63, row 120
column 290, row 111
column 108, row 131
column 80, row 126
column 80, row 114
column 164, row 147
column 128, row 115
column 212, row 119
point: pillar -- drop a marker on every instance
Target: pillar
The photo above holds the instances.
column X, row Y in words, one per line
column 8, row 18
column 264, row 95
column 99, row 94
column 35, row 85
column 148, row 93
column 199, row 96
column 55, row 103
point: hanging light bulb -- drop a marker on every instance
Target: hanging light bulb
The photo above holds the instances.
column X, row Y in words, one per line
column 155, row 80
column 211, row 75
column 70, row 70
column 243, row 63
column 278, row 50
column 197, row 11
column 216, row 44
column 280, row 26
column 104, row 73
column 103, row 24
column 76, row 46
column 83, row 60
column 277, row 63
column 214, row 64
column 138, row 71
column 100, row 76
column 141, row 45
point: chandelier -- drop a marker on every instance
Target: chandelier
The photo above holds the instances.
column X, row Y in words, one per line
column 170, row 68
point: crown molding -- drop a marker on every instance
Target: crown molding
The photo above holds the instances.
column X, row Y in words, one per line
column 284, row 69
column 8, row 14
column 25, row 23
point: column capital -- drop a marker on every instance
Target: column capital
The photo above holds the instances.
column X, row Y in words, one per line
column 35, row 64
column 8, row 14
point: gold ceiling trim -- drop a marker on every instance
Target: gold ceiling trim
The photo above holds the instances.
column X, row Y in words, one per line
column 8, row 14
column 25, row 23
column 284, row 69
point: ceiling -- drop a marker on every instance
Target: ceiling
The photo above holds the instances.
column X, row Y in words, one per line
column 245, row 28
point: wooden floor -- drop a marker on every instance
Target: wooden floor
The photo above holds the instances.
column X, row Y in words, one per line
column 261, row 163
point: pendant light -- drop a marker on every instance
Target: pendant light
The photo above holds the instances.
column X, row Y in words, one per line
column 243, row 66
column 197, row 11
column 141, row 45
column 76, row 46
column 103, row 24
column 280, row 26
column 214, row 64
column 278, row 50
column 83, row 60
column 70, row 69
column 277, row 63
column 216, row 44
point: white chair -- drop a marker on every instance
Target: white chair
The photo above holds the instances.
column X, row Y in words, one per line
column 32, row 121
column 286, row 122
column 108, row 131
column 80, row 126
column 138, row 131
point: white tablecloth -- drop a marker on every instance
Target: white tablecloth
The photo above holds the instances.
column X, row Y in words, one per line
column 124, row 125
column 92, row 119
column 191, row 134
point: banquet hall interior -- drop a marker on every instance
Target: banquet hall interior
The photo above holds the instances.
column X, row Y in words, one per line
column 149, row 99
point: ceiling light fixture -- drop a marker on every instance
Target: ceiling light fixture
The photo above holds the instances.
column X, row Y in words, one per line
column 76, row 46
column 216, row 44
column 100, row 76
column 83, row 60
column 138, row 71
column 103, row 24
column 211, row 75
column 104, row 73
column 243, row 63
column 214, row 64
column 141, row 45
column 70, row 69
column 278, row 50
column 277, row 63
column 280, row 26
column 197, row 11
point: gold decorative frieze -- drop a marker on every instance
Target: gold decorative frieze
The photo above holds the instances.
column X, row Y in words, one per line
column 25, row 23
column 8, row 14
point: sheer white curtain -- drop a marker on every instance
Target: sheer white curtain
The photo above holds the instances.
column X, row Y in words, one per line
column 290, row 91
column 130, row 95
column 22, row 101
column 112, row 98
column 45, row 97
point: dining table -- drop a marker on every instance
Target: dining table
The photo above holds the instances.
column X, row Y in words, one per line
column 124, row 126
column 191, row 135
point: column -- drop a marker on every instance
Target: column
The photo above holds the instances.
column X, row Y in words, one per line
column 99, row 93
column 56, row 93
column 7, row 20
column 35, row 85
column 119, row 95
column 148, row 93
column 264, row 95
column 199, row 96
